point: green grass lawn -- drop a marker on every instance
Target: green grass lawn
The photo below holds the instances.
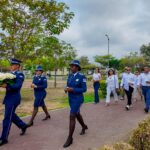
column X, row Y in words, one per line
column 56, row 99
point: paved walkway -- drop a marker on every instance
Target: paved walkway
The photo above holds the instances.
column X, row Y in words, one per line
column 106, row 125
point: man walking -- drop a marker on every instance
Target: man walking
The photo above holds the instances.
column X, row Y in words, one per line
column 128, row 84
column 11, row 101
column 144, row 82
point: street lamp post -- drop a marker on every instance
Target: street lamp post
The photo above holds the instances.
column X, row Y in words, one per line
column 108, row 47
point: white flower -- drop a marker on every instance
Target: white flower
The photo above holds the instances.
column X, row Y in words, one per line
column 5, row 76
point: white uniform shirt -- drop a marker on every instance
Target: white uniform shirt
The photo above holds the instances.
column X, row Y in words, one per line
column 143, row 79
column 128, row 79
column 137, row 77
column 112, row 81
column 96, row 76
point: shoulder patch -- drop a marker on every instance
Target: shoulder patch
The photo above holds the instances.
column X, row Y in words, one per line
column 84, row 80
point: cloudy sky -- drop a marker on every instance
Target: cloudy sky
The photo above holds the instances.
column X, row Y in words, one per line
column 127, row 22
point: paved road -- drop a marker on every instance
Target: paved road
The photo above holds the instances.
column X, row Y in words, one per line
column 106, row 125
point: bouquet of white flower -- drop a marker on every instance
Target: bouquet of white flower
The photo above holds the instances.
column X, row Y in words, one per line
column 7, row 78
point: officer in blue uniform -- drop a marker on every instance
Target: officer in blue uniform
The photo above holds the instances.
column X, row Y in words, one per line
column 76, row 86
column 39, row 85
column 11, row 101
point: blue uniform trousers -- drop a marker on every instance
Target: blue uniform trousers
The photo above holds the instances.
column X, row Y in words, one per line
column 96, row 95
column 9, row 118
column 146, row 93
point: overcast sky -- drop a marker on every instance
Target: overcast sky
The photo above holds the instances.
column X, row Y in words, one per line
column 127, row 22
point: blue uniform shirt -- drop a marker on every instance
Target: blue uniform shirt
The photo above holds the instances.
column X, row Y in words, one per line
column 40, row 82
column 13, row 96
column 78, row 83
column 40, row 91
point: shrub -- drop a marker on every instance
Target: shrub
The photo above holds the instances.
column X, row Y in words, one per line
column 103, row 87
column 141, row 136
column 118, row 146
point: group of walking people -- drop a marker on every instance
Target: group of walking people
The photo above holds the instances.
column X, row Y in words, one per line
column 76, row 86
column 133, row 85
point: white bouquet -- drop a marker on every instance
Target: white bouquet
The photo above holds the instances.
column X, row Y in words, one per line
column 7, row 78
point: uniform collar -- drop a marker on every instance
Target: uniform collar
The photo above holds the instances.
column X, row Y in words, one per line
column 38, row 75
column 75, row 74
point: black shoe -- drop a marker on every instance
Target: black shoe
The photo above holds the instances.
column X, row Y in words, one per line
column 83, row 130
column 24, row 130
column 46, row 118
column 146, row 110
column 68, row 142
column 3, row 142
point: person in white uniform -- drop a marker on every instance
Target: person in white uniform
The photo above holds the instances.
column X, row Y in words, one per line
column 128, row 81
column 96, row 84
column 137, row 90
column 112, row 85
column 144, row 82
column 122, row 90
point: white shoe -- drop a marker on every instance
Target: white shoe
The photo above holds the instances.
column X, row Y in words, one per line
column 127, row 107
column 107, row 104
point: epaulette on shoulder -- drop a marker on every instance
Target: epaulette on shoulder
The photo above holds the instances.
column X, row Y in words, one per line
column 43, row 76
column 19, row 72
column 82, row 74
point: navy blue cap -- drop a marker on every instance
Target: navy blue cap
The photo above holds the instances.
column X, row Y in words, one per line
column 15, row 61
column 39, row 68
column 76, row 63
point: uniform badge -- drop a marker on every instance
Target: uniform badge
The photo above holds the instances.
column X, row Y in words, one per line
column 77, row 80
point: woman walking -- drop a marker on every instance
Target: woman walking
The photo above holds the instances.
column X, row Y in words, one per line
column 96, row 84
column 112, row 86
column 39, row 85
column 76, row 86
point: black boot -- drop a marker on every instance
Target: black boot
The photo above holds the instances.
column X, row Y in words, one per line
column 146, row 110
column 83, row 130
column 68, row 142
column 80, row 120
column 24, row 129
column 71, row 130
column 3, row 142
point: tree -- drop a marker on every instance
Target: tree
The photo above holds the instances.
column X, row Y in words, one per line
column 103, row 61
column 84, row 61
column 145, row 51
column 133, row 60
column 25, row 24
column 52, row 55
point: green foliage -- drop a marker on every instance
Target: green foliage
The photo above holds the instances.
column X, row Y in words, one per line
column 118, row 146
column 133, row 60
column 4, row 63
column 103, row 60
column 29, row 24
column 53, row 55
column 84, row 61
column 145, row 51
column 141, row 136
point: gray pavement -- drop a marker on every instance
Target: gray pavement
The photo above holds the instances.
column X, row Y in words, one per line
column 106, row 125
